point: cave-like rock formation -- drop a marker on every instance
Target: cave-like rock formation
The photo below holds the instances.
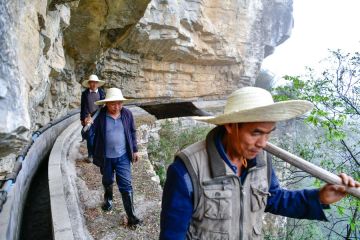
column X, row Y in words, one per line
column 190, row 49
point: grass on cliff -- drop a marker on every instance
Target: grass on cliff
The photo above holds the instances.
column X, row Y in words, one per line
column 172, row 138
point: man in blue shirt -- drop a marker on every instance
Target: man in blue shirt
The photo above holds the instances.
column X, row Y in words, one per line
column 89, row 96
column 220, row 188
column 115, row 147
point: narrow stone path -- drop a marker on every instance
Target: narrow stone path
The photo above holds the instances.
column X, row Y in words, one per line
column 112, row 225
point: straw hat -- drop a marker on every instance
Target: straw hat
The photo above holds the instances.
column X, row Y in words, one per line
column 252, row 104
column 92, row 78
column 112, row 95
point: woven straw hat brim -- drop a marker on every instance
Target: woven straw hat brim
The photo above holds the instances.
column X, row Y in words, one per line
column 101, row 102
column 86, row 83
column 275, row 112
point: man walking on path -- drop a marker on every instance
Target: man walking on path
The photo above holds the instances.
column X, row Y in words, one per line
column 115, row 147
column 220, row 188
column 92, row 94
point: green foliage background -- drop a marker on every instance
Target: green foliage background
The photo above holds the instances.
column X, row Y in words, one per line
column 173, row 138
column 335, row 92
column 330, row 138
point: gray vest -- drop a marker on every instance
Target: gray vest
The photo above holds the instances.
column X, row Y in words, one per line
column 223, row 207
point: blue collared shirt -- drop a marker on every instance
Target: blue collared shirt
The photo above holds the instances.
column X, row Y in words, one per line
column 115, row 137
column 177, row 201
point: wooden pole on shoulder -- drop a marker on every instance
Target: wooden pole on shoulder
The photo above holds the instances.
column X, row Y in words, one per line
column 310, row 168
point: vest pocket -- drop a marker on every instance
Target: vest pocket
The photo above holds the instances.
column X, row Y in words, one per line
column 215, row 236
column 199, row 234
column 217, row 204
column 258, row 198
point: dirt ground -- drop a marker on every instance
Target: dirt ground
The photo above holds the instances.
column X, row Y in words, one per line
column 112, row 225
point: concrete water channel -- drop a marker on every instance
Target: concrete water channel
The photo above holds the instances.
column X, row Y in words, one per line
column 51, row 193
column 36, row 220
column 25, row 194
column 48, row 200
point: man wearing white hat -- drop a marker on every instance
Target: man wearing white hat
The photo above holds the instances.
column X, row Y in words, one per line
column 115, row 147
column 220, row 188
column 92, row 94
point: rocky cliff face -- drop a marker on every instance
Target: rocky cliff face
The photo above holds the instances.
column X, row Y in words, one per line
column 47, row 47
column 34, row 75
column 187, row 49
column 152, row 49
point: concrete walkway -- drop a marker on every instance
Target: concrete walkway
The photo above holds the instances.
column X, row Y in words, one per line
column 84, row 194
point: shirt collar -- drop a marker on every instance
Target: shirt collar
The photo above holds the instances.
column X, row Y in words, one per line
column 95, row 91
column 108, row 115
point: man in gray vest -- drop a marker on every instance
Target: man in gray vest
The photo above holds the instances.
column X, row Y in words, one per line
column 89, row 96
column 220, row 188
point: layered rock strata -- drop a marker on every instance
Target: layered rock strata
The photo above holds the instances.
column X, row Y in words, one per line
column 186, row 49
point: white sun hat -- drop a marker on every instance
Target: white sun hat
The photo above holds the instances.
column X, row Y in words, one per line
column 92, row 78
column 112, row 95
column 253, row 104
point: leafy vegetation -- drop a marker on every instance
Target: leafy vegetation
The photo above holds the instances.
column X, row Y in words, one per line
column 335, row 144
column 173, row 137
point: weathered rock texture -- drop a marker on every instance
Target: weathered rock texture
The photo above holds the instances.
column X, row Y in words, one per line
column 152, row 49
column 37, row 81
column 38, row 74
column 186, row 49
column 96, row 25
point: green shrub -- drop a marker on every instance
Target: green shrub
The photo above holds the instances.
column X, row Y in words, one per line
column 173, row 138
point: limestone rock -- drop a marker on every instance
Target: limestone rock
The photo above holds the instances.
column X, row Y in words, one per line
column 186, row 49
column 37, row 79
column 13, row 120
column 96, row 25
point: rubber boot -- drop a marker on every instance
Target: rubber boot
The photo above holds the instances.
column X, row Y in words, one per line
column 128, row 202
column 108, row 197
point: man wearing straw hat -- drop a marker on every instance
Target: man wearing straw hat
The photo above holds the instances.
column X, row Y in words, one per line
column 115, row 147
column 92, row 94
column 220, row 188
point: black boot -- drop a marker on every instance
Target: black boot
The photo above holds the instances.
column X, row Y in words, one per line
column 108, row 197
column 127, row 198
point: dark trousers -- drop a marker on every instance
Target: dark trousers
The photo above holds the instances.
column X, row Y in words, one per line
column 90, row 142
column 122, row 168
